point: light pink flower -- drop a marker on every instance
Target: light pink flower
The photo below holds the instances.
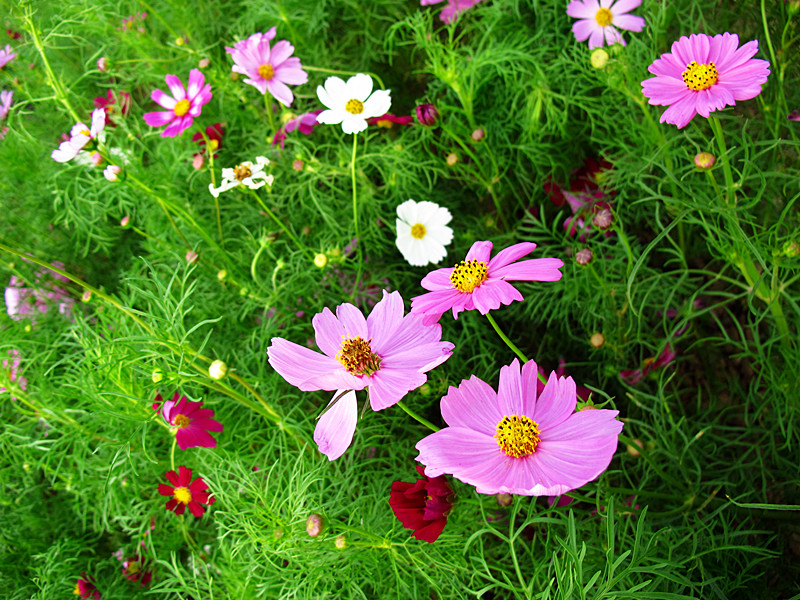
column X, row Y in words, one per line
column 516, row 441
column 182, row 107
column 191, row 421
column 703, row 74
column 6, row 97
column 6, row 56
column 303, row 123
column 453, row 9
column 23, row 302
column 481, row 282
column 599, row 20
column 11, row 367
column 268, row 69
column 387, row 352
column 79, row 137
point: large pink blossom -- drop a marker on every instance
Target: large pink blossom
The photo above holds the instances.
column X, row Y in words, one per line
column 481, row 282
column 80, row 137
column 268, row 69
column 191, row 421
column 703, row 74
column 598, row 21
column 518, row 441
column 182, row 107
column 453, row 9
column 388, row 352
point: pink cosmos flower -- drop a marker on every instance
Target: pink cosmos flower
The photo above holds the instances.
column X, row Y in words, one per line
column 516, row 441
column 703, row 74
column 185, row 492
column 387, row 352
column 6, row 97
column 481, row 282
column 182, row 107
column 453, row 9
column 599, row 20
column 268, row 69
column 6, row 56
column 11, row 367
column 23, row 302
column 191, row 421
column 79, row 137
column 303, row 123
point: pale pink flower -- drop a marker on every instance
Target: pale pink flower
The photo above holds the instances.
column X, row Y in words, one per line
column 79, row 137
column 6, row 56
column 6, row 97
column 268, row 69
column 598, row 21
column 453, row 9
column 518, row 441
column 182, row 107
column 703, row 74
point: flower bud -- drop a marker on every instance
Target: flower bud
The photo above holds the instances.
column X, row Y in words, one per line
column 86, row 296
column 298, row 165
column 222, row 274
column 597, row 340
column 314, row 525
column 204, row 62
column 504, row 499
column 633, row 449
column 198, row 161
column 125, row 222
column 704, row 160
column 583, row 256
column 180, row 41
column 320, row 260
column 111, row 172
column 157, row 375
column 102, row 63
column 599, row 58
column 191, row 257
column 96, row 158
column 217, row 370
column 427, row 114
column 452, row 159
column 791, row 249
column 306, row 230
column 478, row 134
column 603, row 219
column 340, row 542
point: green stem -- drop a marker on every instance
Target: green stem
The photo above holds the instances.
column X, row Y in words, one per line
column 418, row 418
column 359, row 241
column 172, row 453
column 270, row 115
column 280, row 224
column 511, row 345
column 210, row 153
column 716, row 126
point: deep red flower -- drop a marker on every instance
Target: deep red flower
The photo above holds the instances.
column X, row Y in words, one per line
column 85, row 588
column 388, row 120
column 214, row 133
column 113, row 103
column 422, row 506
column 185, row 492
column 649, row 365
column 586, row 179
column 190, row 420
column 134, row 569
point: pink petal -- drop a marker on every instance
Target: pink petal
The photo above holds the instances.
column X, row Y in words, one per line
column 481, row 251
column 163, row 99
column 354, row 323
column 178, row 126
column 196, row 82
column 629, row 22
column 157, row 119
column 583, row 9
column 584, row 28
column 623, row 6
column 472, row 405
column 535, row 269
column 493, row 294
column 585, row 425
column 280, row 52
column 309, row 370
column 556, row 402
column 334, row 431
column 388, row 386
column 329, row 332
column 570, row 465
column 280, row 91
column 438, row 280
column 596, row 38
column 508, row 255
column 384, row 320
column 680, row 112
column 468, row 455
column 176, row 87
column 509, row 391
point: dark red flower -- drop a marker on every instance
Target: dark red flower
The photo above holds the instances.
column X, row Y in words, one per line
column 586, row 179
column 134, row 570
column 427, row 114
column 113, row 103
column 649, row 365
column 185, row 492
column 214, row 134
column 422, row 506
column 85, row 588
column 388, row 120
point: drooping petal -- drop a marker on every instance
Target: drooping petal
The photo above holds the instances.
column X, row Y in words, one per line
column 334, row 431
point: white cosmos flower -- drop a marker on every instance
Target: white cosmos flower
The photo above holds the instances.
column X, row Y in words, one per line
column 246, row 173
column 350, row 103
column 80, row 136
column 422, row 232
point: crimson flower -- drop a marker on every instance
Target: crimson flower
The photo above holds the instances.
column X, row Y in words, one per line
column 389, row 120
column 109, row 104
column 134, row 570
column 214, row 134
column 422, row 506
column 191, row 421
column 85, row 588
column 185, row 492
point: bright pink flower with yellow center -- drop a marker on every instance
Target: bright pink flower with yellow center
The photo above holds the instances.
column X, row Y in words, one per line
column 182, row 107
column 190, row 420
column 518, row 441
column 481, row 282
column 600, row 20
column 185, row 492
column 703, row 74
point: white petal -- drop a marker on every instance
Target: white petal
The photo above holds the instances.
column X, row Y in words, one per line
column 378, row 104
column 354, row 124
column 359, row 87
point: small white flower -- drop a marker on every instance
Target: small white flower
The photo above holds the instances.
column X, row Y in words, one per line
column 217, row 370
column 112, row 172
column 80, row 136
column 422, row 232
column 350, row 103
column 252, row 176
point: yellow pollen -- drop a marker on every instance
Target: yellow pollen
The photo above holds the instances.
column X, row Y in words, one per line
column 468, row 274
column 182, row 107
column 133, row 567
column 517, row 436
column 183, row 495
column 603, row 17
column 86, row 132
column 700, row 77
column 266, row 72
column 357, row 357
column 354, row 107
column 77, row 590
column 418, row 231
column 181, row 421
column 241, row 171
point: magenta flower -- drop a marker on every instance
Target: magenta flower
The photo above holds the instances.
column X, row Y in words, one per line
column 516, row 441
column 599, row 20
column 182, row 107
column 794, row 115
column 268, row 69
column 80, row 137
column 191, row 421
column 387, row 352
column 6, row 56
column 303, row 123
column 85, row 588
column 703, row 74
column 453, row 9
column 6, row 98
column 481, row 282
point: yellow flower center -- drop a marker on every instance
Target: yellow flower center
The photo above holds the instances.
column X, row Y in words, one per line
column 183, row 495
column 182, row 107
column 266, row 72
column 517, row 436
column 77, row 590
column 418, row 231
column 700, row 77
column 86, row 132
column 241, row 171
column 133, row 567
column 181, row 421
column 357, row 357
column 468, row 274
column 603, row 17
column 213, row 144
column 354, row 107
column 385, row 123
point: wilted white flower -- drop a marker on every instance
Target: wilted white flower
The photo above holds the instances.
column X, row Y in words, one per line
column 351, row 103
column 246, row 173
column 422, row 232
